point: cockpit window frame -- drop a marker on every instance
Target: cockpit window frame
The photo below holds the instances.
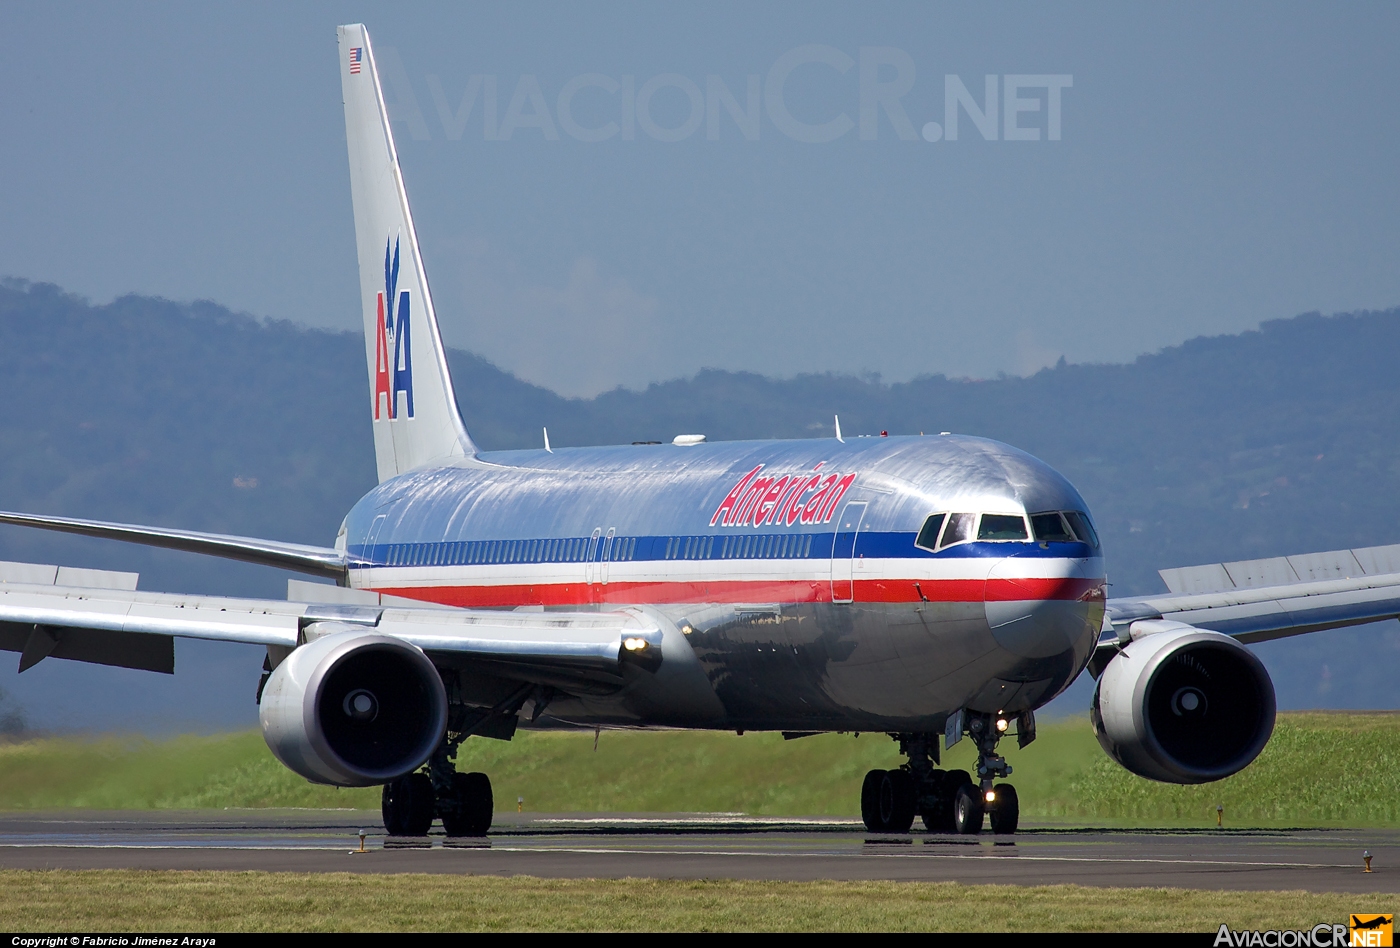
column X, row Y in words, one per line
column 1025, row 527
column 1092, row 540
column 1070, row 536
column 937, row 533
column 944, row 542
column 948, row 519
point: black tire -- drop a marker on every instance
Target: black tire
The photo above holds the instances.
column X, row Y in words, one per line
column 953, row 780
column 473, row 806
column 870, row 800
column 937, row 804
column 389, row 808
column 967, row 810
column 1006, row 810
column 408, row 805
column 898, row 800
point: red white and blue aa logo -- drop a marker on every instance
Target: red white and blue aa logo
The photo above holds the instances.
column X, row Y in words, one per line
column 393, row 352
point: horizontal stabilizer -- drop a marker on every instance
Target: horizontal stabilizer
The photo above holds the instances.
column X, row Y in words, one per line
column 320, row 561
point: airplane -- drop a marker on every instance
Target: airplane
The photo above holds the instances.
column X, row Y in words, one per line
column 924, row 587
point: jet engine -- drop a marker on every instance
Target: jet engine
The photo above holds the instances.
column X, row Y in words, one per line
column 354, row 708
column 1183, row 705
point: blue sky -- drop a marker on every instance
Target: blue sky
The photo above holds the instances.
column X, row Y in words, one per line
column 1217, row 165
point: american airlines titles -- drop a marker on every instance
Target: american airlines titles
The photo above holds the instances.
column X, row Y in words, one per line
column 783, row 500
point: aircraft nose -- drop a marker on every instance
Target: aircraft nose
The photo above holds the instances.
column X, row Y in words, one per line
column 1040, row 607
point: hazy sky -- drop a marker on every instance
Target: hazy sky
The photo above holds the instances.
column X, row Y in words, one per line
column 1216, row 165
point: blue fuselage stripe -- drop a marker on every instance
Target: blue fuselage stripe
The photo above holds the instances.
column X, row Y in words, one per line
column 784, row 546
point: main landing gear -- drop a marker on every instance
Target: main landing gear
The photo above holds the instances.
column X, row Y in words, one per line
column 948, row 801
column 464, row 804
column 462, row 801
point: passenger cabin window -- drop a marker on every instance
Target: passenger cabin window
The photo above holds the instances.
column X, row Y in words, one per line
column 1051, row 528
column 959, row 528
column 1082, row 527
column 1002, row 527
column 928, row 536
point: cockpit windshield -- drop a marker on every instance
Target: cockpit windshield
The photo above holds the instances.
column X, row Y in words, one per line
column 928, row 536
column 959, row 528
column 1002, row 527
column 941, row 530
column 1051, row 527
column 1082, row 527
column 1065, row 526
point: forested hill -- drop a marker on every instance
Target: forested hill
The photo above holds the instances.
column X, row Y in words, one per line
column 1275, row 441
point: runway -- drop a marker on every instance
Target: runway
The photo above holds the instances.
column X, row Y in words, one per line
column 689, row 846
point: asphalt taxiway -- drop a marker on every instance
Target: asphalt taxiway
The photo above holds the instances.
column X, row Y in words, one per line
column 689, row 846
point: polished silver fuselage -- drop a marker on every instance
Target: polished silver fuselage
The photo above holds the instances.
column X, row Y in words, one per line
column 785, row 575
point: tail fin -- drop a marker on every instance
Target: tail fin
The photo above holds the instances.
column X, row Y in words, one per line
column 416, row 421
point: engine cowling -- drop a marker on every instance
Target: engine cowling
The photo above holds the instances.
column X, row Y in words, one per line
column 1183, row 705
column 354, row 708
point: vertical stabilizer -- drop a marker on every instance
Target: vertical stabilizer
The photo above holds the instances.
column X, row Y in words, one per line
column 416, row 421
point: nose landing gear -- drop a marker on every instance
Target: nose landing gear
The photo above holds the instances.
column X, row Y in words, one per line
column 998, row 800
column 947, row 801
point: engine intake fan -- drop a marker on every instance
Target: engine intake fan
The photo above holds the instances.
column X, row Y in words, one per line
column 354, row 708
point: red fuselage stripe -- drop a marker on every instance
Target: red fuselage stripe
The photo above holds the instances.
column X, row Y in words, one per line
column 865, row 590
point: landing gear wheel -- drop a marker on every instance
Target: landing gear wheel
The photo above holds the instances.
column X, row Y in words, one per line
column 967, row 810
column 408, row 805
column 1005, row 810
column 887, row 801
column 938, row 804
column 471, row 808
column 870, row 800
column 953, row 781
column 898, row 800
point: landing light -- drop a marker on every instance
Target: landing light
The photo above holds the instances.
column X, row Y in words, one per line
column 634, row 644
column 991, row 796
column 1002, row 724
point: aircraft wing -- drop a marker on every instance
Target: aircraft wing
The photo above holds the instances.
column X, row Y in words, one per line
column 107, row 621
column 1259, row 600
column 316, row 560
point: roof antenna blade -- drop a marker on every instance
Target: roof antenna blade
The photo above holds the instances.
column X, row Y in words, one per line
column 546, row 441
column 838, row 429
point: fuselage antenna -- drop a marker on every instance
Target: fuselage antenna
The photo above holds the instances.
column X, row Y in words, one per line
column 838, row 429
column 546, row 441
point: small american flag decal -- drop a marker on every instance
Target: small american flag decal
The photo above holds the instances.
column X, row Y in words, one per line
column 355, row 56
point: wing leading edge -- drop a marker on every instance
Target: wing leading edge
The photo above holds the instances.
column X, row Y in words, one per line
column 316, row 560
column 124, row 627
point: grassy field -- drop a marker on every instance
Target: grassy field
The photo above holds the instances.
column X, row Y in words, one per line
column 119, row 900
column 1320, row 769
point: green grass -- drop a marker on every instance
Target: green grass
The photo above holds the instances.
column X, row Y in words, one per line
column 127, row 900
column 1320, row 769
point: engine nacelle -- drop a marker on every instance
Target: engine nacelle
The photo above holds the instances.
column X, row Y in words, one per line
column 354, row 708
column 1183, row 705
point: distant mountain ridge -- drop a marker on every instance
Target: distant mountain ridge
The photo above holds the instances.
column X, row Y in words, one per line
column 1279, row 440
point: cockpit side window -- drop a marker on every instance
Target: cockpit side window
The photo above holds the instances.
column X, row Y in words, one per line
column 1082, row 526
column 959, row 528
column 928, row 536
column 1051, row 528
column 1002, row 527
